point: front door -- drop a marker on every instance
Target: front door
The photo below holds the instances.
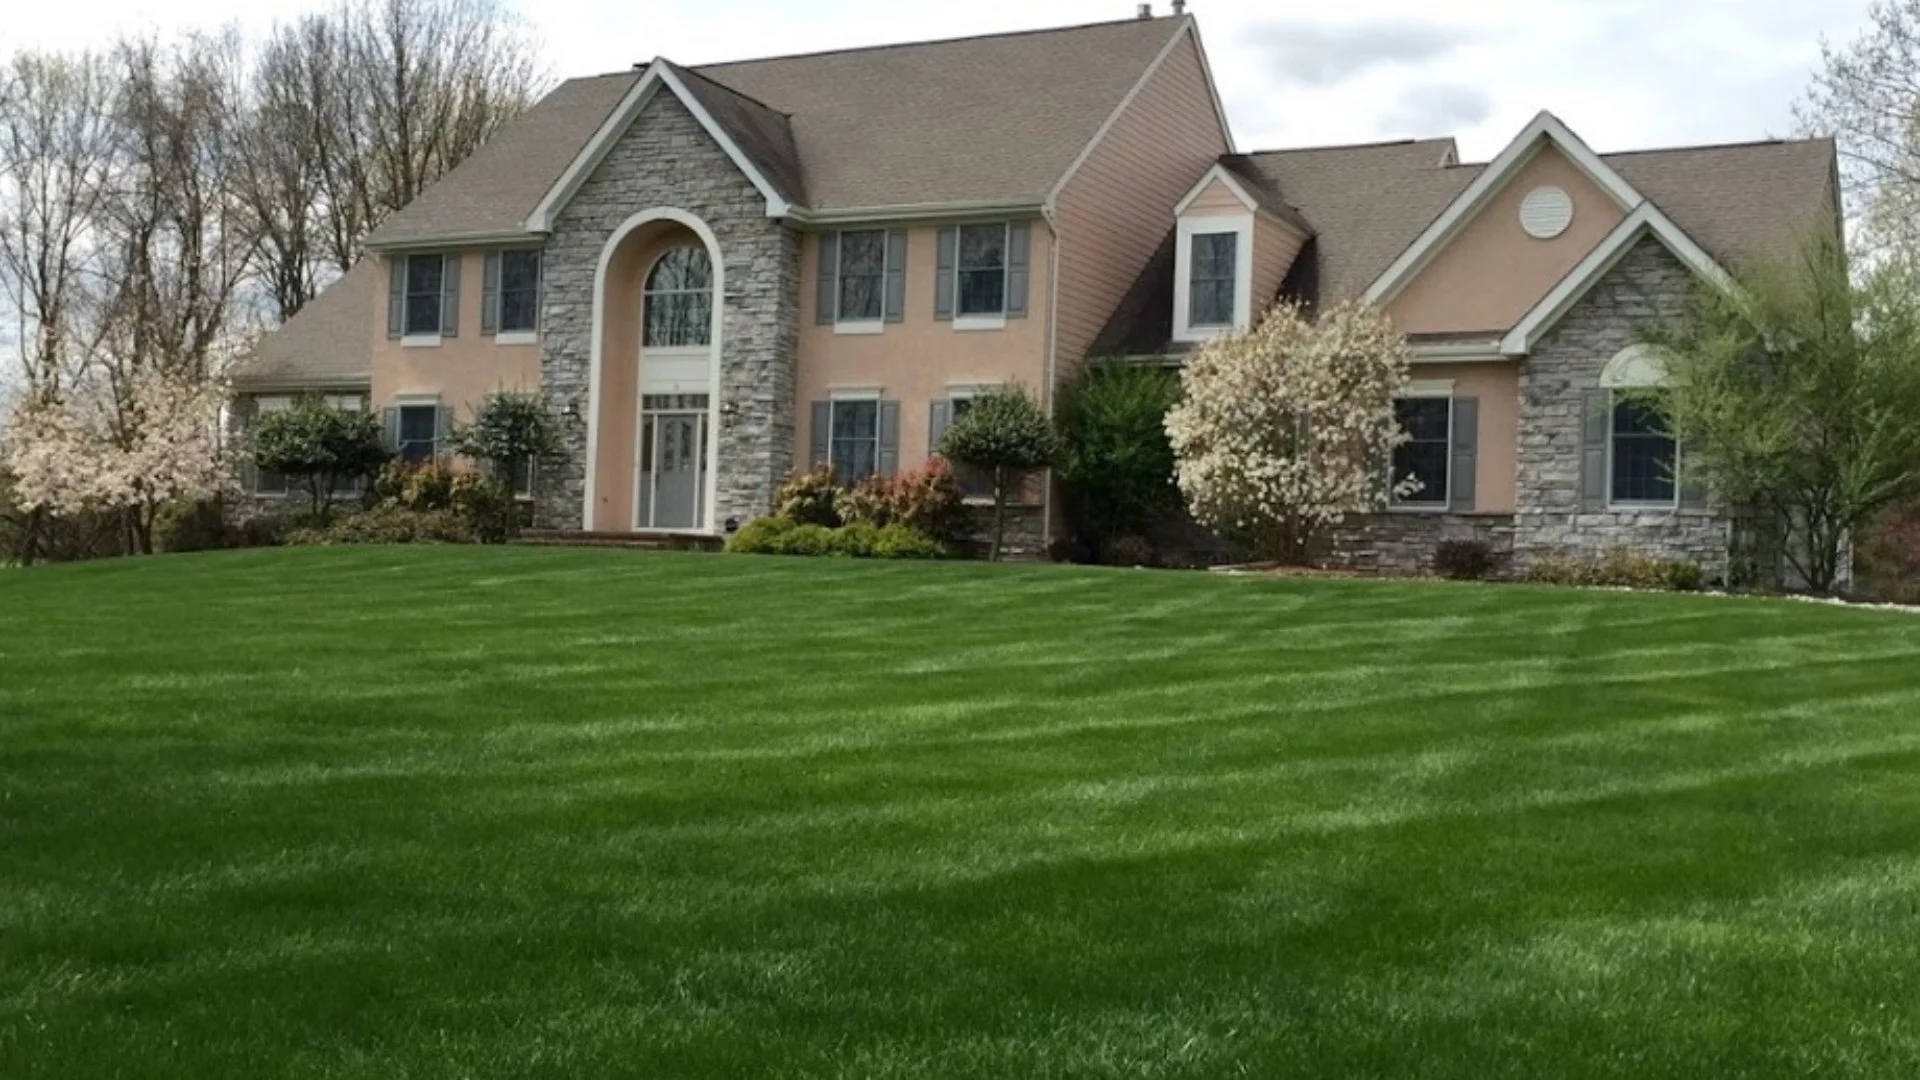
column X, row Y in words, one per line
column 673, row 470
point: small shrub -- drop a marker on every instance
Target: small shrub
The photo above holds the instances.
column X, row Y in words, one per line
column 899, row 541
column 761, row 536
column 487, row 507
column 258, row 530
column 1629, row 569
column 869, row 502
column 194, row 526
column 856, row 540
column 387, row 525
column 420, row 487
column 1070, row 549
column 1559, row 570
column 807, row 540
column 1128, row 551
column 810, row 498
column 929, row 501
column 1463, row 560
column 1685, row 577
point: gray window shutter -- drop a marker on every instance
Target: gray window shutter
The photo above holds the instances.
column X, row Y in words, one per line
column 490, row 295
column 396, row 296
column 937, row 424
column 896, row 275
column 1693, row 488
column 249, row 477
column 1593, row 461
column 1019, row 240
column 826, row 293
column 450, row 297
column 818, row 434
column 390, row 428
column 1465, row 464
column 889, row 438
column 945, row 271
column 540, row 289
column 443, row 431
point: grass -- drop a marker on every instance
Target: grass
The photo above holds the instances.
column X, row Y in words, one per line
column 514, row 813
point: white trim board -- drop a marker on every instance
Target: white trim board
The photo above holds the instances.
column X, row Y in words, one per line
column 1645, row 221
column 1545, row 129
column 1185, row 29
column 1241, row 225
column 659, row 74
column 1225, row 176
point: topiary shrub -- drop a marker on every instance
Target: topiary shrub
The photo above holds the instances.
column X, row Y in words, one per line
column 1007, row 434
column 810, row 498
column 316, row 446
column 856, row 540
column 1463, row 560
column 761, row 536
column 904, row 542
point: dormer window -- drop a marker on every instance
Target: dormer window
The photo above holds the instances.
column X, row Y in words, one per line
column 1214, row 271
column 1212, row 280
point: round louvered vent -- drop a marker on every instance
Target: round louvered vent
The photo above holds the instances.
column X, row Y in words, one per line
column 1546, row 213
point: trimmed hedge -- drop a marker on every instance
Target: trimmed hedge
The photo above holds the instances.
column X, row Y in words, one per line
column 860, row 540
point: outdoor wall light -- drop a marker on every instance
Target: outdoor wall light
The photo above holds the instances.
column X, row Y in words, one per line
column 729, row 412
column 571, row 414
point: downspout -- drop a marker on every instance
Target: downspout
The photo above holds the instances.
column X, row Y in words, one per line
column 1049, row 214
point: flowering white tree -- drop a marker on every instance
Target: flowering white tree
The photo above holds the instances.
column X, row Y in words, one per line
column 129, row 449
column 1284, row 430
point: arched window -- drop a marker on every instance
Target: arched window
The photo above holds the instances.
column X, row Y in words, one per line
column 1643, row 460
column 679, row 300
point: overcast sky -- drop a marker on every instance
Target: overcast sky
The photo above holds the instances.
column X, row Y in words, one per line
column 1623, row 73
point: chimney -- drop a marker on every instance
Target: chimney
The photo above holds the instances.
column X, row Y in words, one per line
column 1179, row 7
column 1146, row 11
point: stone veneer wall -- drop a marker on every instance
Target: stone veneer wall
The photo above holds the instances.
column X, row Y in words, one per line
column 1648, row 285
column 1405, row 542
column 666, row 159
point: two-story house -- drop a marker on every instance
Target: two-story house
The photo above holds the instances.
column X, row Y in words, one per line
column 719, row 274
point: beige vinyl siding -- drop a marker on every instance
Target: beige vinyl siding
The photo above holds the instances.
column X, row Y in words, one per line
column 1118, row 208
column 1275, row 245
column 1218, row 198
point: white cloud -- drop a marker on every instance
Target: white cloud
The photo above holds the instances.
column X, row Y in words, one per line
column 1624, row 73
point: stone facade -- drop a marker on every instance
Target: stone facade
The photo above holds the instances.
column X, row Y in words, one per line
column 666, row 159
column 1648, row 285
column 1404, row 543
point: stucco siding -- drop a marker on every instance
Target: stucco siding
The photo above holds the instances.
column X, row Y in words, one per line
column 919, row 360
column 1492, row 272
column 1118, row 208
column 462, row 371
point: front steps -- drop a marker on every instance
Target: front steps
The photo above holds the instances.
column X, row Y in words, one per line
column 631, row 541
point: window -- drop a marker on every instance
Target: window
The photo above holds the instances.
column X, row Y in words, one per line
column 863, row 276
column 1426, row 457
column 267, row 481
column 1643, row 457
column 854, row 439
column 983, row 270
column 419, row 433
column 519, row 292
column 426, row 275
column 679, row 300
column 352, row 403
column 522, row 479
column 1215, row 259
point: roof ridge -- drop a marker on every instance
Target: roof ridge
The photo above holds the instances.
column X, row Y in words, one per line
column 890, row 46
column 1380, row 144
column 1737, row 145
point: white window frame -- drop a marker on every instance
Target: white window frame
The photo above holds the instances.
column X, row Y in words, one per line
column 1241, row 225
column 404, row 403
column 843, row 325
column 1614, row 401
column 523, row 335
column 851, row 396
column 1436, row 389
column 983, row 320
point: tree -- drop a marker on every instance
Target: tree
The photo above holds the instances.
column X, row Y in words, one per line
column 1867, row 95
column 1286, row 429
column 1115, row 459
column 318, row 446
column 513, row 433
column 1797, row 398
column 155, row 443
column 1007, row 435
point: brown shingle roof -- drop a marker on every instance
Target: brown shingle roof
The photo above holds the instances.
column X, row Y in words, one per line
column 495, row 189
column 985, row 119
column 1366, row 204
column 329, row 343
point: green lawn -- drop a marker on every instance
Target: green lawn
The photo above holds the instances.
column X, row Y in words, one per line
column 515, row 813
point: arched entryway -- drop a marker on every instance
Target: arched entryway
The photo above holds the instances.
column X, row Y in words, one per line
column 653, row 434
